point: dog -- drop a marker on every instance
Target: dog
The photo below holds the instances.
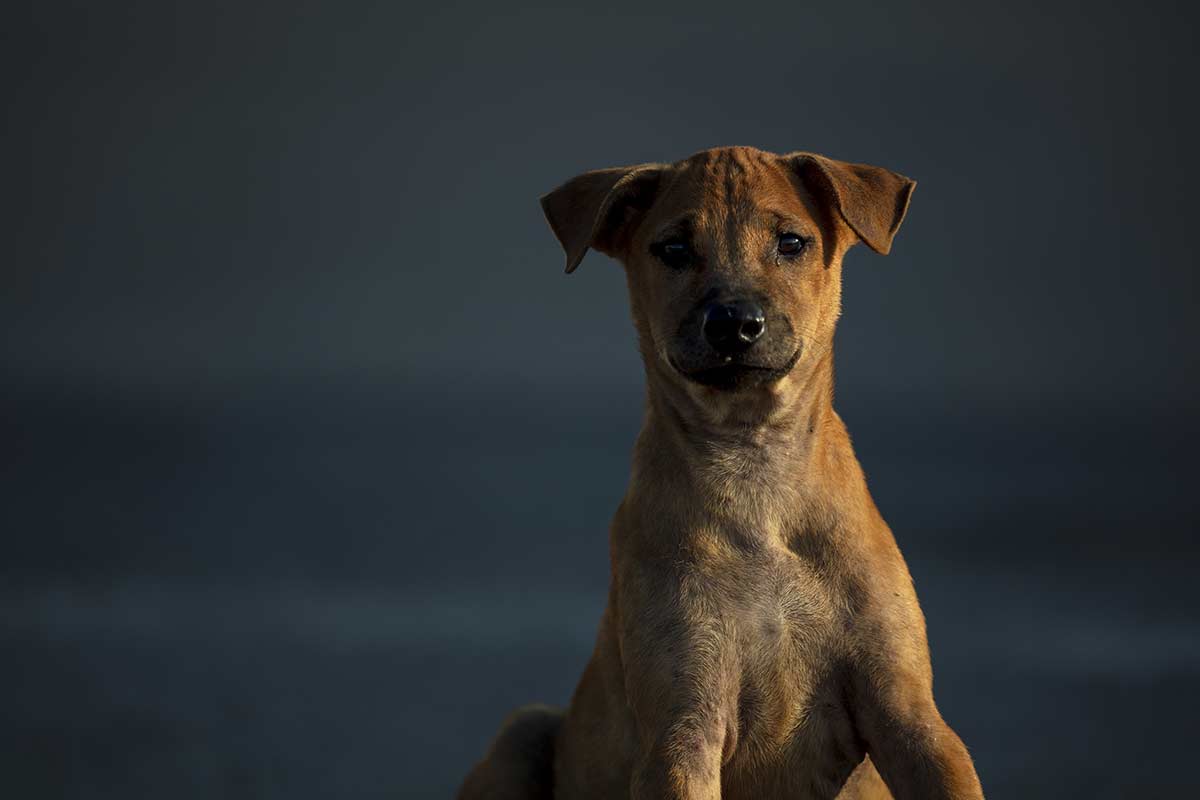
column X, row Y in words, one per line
column 762, row 637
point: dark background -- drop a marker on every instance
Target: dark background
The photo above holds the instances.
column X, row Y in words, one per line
column 308, row 449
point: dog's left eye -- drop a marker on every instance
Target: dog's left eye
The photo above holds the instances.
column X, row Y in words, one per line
column 673, row 252
column 790, row 244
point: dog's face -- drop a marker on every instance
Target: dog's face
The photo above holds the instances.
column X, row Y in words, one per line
column 733, row 256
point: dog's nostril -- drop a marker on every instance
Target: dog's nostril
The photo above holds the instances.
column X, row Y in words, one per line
column 751, row 329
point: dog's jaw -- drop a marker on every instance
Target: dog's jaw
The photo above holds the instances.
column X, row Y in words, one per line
column 734, row 415
column 734, row 376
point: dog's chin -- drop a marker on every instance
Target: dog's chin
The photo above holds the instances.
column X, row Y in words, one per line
column 735, row 375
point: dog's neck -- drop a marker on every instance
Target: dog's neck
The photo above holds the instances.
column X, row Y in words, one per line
column 765, row 452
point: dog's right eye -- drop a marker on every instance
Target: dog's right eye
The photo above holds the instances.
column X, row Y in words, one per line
column 673, row 252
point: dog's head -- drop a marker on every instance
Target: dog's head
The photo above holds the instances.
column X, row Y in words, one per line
column 733, row 256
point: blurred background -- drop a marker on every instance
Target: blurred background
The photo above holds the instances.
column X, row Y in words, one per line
column 308, row 448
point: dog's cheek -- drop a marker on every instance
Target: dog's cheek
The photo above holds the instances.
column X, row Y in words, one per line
column 653, row 339
column 817, row 319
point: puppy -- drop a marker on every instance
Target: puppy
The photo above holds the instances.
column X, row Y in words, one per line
column 762, row 637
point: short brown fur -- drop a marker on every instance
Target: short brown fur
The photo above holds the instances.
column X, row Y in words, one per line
column 762, row 637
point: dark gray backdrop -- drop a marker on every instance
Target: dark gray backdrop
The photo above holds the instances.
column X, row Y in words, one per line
column 309, row 449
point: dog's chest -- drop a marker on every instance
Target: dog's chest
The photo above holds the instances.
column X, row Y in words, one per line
column 790, row 622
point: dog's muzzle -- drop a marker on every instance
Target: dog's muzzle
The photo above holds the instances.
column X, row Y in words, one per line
column 731, row 341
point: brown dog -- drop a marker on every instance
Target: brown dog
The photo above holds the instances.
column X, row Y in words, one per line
column 762, row 635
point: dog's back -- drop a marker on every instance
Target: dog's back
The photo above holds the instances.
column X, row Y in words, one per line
column 520, row 763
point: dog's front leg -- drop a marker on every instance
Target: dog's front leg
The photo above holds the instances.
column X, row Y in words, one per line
column 919, row 756
column 683, row 766
column 678, row 670
column 916, row 753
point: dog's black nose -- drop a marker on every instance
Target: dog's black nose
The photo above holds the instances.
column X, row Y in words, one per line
column 732, row 327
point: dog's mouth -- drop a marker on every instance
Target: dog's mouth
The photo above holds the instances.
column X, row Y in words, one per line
column 735, row 374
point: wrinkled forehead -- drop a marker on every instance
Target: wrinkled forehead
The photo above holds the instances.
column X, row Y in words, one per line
column 716, row 193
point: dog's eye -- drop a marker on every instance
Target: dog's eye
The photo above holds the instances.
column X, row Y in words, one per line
column 673, row 252
column 790, row 244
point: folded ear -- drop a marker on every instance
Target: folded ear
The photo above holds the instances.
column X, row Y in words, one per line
column 597, row 209
column 872, row 200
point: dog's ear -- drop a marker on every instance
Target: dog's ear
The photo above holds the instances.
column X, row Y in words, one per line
column 872, row 200
column 597, row 209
